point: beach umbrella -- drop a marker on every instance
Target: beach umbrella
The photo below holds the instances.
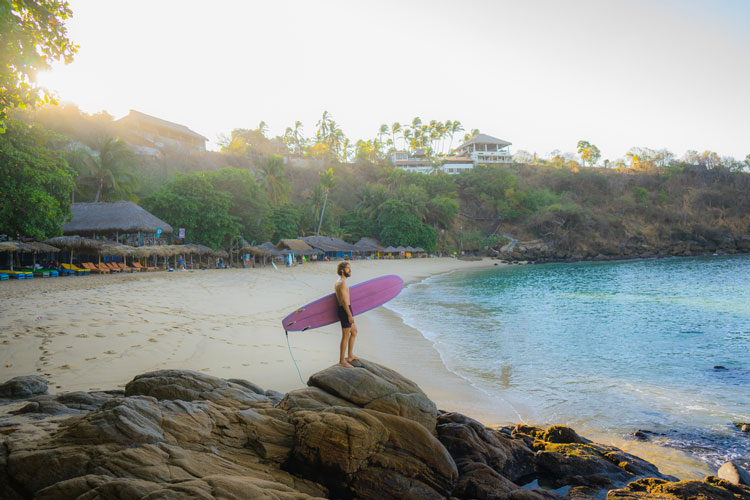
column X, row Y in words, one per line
column 12, row 247
column 73, row 243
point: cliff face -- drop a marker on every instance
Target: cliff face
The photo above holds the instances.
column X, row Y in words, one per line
column 358, row 433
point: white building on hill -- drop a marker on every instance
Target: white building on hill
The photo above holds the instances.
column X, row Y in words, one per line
column 481, row 149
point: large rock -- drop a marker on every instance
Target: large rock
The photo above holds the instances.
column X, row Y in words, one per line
column 376, row 387
column 358, row 433
column 470, row 443
column 711, row 488
column 734, row 474
column 188, row 385
column 563, row 458
column 23, row 387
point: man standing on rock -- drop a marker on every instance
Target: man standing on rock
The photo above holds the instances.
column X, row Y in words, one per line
column 348, row 328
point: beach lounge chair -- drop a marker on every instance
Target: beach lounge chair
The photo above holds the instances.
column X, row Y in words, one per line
column 3, row 276
column 123, row 267
column 93, row 268
column 111, row 267
column 138, row 266
column 77, row 270
column 18, row 275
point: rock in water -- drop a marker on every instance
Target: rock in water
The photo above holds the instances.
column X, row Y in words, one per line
column 734, row 474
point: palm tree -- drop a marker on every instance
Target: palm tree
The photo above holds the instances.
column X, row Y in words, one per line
column 262, row 128
column 455, row 127
column 108, row 170
column 383, row 130
column 395, row 129
column 298, row 137
column 328, row 183
column 272, row 177
column 324, row 126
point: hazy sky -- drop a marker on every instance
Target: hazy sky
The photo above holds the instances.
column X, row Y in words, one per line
column 541, row 74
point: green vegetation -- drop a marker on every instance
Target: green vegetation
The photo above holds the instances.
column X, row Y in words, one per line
column 334, row 186
column 35, row 182
column 32, row 35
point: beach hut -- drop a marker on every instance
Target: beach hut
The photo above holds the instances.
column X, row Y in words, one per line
column 333, row 248
column 369, row 247
column 419, row 251
column 298, row 249
column 116, row 221
column 389, row 251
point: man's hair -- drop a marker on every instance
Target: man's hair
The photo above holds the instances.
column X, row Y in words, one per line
column 341, row 267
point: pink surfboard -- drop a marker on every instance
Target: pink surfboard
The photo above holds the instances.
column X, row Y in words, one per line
column 364, row 296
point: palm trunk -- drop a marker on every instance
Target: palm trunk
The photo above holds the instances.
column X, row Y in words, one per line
column 322, row 213
column 99, row 190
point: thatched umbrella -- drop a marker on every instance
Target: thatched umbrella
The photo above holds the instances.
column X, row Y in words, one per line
column 72, row 243
column 12, row 247
column 120, row 217
column 35, row 247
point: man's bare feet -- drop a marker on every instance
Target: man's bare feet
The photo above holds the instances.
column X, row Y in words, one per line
column 346, row 364
column 352, row 358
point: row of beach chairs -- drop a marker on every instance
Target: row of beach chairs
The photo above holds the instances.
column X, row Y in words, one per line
column 73, row 270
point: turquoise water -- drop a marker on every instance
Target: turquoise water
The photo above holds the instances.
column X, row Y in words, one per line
column 616, row 346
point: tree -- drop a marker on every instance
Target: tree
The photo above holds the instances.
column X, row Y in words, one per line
column 108, row 172
column 272, row 178
column 249, row 203
column 285, row 221
column 192, row 202
column 589, row 153
column 32, row 35
column 35, row 182
column 399, row 227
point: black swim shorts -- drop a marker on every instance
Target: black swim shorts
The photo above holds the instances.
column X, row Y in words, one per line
column 343, row 317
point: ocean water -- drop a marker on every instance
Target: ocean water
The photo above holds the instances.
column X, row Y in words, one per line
column 614, row 347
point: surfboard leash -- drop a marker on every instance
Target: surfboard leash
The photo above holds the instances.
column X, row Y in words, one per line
column 286, row 333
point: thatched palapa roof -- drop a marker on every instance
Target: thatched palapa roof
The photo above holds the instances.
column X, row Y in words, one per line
column 120, row 216
column 294, row 245
column 74, row 242
column 368, row 245
column 329, row 244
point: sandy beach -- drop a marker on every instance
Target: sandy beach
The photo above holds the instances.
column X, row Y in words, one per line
column 98, row 332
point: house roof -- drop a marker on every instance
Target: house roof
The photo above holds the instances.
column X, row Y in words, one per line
column 294, row 245
column 329, row 244
column 368, row 245
column 484, row 139
column 121, row 216
column 137, row 116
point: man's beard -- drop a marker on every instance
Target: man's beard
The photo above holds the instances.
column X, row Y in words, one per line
column 347, row 274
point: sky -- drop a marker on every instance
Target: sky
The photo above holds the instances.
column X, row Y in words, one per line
column 542, row 74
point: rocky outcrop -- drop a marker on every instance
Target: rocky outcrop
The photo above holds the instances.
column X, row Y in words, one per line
column 359, row 433
column 711, row 488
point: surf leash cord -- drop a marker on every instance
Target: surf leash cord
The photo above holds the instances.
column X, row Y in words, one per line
column 292, row 355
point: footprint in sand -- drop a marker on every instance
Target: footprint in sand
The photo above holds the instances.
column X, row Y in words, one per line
column 82, row 336
column 5, row 342
column 8, row 365
column 264, row 362
column 89, row 359
column 110, row 352
column 100, row 335
column 64, row 367
column 120, row 334
column 153, row 340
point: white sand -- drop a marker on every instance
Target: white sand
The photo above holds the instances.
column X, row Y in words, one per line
column 98, row 332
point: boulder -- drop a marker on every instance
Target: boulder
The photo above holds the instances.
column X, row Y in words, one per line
column 734, row 474
column 710, row 488
column 189, row 385
column 470, row 443
column 23, row 387
column 376, row 387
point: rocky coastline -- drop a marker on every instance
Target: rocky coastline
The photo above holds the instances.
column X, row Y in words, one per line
column 707, row 241
column 362, row 433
